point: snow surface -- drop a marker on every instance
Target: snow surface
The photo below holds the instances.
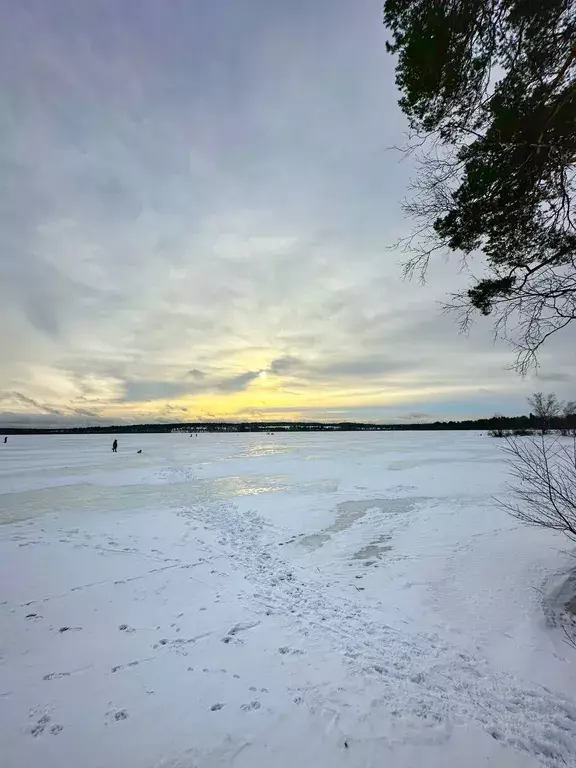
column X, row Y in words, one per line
column 299, row 599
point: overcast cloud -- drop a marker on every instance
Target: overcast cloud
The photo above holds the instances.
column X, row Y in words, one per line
column 196, row 208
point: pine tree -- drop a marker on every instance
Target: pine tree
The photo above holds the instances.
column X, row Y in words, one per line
column 489, row 89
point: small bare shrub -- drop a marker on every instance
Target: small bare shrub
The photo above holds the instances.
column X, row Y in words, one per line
column 543, row 483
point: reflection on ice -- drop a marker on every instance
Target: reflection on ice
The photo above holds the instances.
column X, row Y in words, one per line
column 186, row 490
column 262, row 449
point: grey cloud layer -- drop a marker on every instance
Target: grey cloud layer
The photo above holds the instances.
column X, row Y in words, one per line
column 197, row 192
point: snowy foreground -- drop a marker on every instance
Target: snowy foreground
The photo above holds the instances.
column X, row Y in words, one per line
column 317, row 600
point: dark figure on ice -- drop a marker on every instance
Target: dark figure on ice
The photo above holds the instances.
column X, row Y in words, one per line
column 5, row 439
column 114, row 446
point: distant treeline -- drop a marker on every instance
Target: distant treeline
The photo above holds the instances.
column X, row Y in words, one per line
column 494, row 422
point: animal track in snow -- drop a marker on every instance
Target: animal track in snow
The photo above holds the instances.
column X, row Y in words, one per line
column 116, row 715
column 120, row 667
column 41, row 724
column 254, row 704
column 285, row 649
column 179, row 644
column 242, row 626
column 56, row 675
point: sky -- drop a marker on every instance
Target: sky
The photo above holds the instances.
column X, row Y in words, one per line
column 198, row 216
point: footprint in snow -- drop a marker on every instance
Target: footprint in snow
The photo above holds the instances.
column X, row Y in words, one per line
column 56, row 675
column 38, row 729
column 117, row 715
column 242, row 626
column 234, row 631
column 254, row 704
column 129, row 664
column 216, row 707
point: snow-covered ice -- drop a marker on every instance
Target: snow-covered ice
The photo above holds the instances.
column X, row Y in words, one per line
column 316, row 599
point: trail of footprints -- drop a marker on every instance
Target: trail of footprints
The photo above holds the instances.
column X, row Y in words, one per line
column 178, row 645
column 42, row 724
column 43, row 719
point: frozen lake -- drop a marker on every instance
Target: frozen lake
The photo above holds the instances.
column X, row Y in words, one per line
column 253, row 600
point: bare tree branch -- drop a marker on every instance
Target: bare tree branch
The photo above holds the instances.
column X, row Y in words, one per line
column 543, row 487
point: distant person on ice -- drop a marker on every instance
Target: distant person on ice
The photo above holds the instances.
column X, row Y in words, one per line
column 114, row 446
column 5, row 439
